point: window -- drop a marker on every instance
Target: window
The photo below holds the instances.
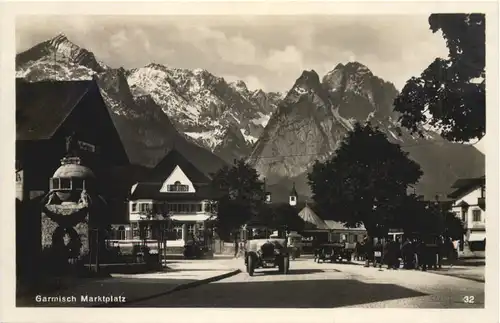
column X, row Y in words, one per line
column 120, row 233
column 144, row 207
column 483, row 192
column 476, row 215
column 54, row 184
column 77, row 183
column 177, row 232
column 134, row 207
column 292, row 198
column 65, row 183
column 177, row 187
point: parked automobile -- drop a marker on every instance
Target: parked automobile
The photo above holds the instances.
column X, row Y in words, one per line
column 333, row 252
column 267, row 253
column 193, row 250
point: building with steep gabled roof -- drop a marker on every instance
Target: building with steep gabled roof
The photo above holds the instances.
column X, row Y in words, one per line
column 469, row 205
column 178, row 191
column 51, row 118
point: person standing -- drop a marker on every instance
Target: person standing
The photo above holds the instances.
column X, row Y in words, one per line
column 422, row 255
column 452, row 251
column 357, row 248
column 236, row 245
column 378, row 250
column 440, row 251
column 395, row 252
column 367, row 250
column 408, row 254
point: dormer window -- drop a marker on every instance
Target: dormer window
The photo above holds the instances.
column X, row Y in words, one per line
column 178, row 187
column 292, row 198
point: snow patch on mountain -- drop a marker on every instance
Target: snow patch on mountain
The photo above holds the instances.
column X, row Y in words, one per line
column 345, row 122
column 248, row 138
column 262, row 120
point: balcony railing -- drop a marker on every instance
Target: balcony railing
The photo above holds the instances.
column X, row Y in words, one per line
column 478, row 225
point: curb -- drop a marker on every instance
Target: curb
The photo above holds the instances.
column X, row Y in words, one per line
column 479, row 280
column 177, row 288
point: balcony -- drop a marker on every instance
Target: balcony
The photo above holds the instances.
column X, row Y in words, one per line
column 477, row 225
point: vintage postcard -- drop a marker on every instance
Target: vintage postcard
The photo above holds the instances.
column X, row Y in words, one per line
column 256, row 161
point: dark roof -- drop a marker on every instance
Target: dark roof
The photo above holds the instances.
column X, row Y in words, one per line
column 465, row 185
column 167, row 165
column 42, row 107
column 152, row 191
column 469, row 182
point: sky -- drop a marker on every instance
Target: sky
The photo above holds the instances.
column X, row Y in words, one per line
column 267, row 52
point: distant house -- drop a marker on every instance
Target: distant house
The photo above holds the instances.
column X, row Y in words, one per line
column 469, row 204
column 329, row 230
column 175, row 190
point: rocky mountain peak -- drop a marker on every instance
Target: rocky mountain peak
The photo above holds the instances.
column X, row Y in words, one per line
column 60, row 49
column 157, row 66
column 59, row 39
column 351, row 76
column 308, row 79
column 240, row 86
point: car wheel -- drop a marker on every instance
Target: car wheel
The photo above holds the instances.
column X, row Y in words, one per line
column 281, row 265
column 250, row 265
column 286, row 265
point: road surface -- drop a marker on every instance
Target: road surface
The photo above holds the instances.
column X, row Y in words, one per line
column 312, row 285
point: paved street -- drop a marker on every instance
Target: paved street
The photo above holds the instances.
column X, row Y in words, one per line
column 129, row 287
column 312, row 285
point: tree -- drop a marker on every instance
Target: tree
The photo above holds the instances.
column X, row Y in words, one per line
column 285, row 217
column 365, row 182
column 450, row 93
column 430, row 218
column 243, row 198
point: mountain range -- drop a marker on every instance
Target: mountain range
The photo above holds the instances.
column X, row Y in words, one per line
column 212, row 122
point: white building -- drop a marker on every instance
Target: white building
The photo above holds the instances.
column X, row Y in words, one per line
column 177, row 196
column 469, row 205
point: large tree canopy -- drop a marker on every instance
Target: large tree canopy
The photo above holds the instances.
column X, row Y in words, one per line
column 244, row 196
column 285, row 217
column 365, row 182
column 450, row 94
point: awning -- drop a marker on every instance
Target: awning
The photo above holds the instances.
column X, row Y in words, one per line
column 192, row 218
column 477, row 236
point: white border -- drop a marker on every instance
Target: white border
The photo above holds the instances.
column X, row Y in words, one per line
column 8, row 11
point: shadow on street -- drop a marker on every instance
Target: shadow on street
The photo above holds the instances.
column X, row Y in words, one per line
column 283, row 294
column 266, row 271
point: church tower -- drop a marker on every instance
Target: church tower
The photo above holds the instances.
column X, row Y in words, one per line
column 292, row 199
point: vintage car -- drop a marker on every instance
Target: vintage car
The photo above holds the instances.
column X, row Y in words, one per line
column 267, row 253
column 294, row 243
column 193, row 250
column 333, row 252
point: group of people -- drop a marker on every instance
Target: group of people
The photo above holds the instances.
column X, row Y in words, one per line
column 416, row 253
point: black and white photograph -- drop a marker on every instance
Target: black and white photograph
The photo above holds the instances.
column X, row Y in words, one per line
column 253, row 161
